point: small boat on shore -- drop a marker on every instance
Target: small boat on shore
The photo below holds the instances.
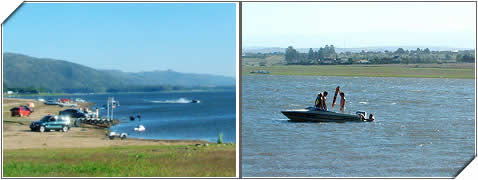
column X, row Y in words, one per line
column 67, row 105
column 51, row 102
column 312, row 114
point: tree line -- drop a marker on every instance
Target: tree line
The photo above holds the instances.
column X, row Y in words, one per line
column 25, row 90
column 328, row 55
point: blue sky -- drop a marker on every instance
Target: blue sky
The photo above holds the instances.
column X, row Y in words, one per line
column 185, row 37
column 359, row 24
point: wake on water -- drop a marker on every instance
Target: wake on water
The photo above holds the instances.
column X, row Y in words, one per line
column 174, row 101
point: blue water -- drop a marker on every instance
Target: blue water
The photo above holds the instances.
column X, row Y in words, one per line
column 169, row 115
column 423, row 127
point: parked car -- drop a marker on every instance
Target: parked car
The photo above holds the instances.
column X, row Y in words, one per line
column 73, row 113
column 65, row 100
column 113, row 134
column 51, row 102
column 21, row 111
column 50, row 122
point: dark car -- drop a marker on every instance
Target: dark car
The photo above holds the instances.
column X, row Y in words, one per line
column 50, row 123
column 73, row 113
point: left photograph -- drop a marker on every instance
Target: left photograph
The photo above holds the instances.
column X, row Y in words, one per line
column 120, row 90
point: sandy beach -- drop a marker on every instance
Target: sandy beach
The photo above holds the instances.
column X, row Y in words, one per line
column 17, row 134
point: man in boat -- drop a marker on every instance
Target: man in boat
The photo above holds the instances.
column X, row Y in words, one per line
column 324, row 98
column 318, row 101
column 342, row 102
column 371, row 118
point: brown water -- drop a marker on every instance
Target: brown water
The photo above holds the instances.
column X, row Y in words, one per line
column 424, row 127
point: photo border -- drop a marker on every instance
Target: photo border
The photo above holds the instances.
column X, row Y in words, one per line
column 239, row 92
column 237, row 45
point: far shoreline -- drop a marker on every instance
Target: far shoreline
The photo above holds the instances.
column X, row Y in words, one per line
column 452, row 71
column 19, row 96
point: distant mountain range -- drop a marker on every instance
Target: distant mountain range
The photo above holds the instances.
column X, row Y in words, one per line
column 353, row 50
column 22, row 71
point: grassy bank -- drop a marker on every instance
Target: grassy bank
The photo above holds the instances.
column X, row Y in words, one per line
column 461, row 71
column 123, row 161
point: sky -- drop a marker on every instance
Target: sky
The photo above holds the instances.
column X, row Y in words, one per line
column 132, row 37
column 360, row 24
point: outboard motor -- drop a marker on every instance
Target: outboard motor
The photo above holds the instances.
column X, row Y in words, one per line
column 362, row 113
column 363, row 116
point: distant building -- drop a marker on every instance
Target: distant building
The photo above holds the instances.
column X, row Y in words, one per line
column 9, row 92
column 327, row 62
column 363, row 61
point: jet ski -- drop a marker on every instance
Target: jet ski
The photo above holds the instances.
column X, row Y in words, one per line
column 312, row 114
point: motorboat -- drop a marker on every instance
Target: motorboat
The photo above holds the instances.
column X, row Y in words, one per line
column 312, row 114
column 140, row 128
column 195, row 101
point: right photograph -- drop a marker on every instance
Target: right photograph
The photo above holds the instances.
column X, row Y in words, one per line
column 357, row 89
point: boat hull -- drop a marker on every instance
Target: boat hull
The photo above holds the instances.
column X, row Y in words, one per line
column 320, row 116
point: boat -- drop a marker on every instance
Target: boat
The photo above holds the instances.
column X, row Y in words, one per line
column 195, row 101
column 312, row 114
column 140, row 128
column 67, row 105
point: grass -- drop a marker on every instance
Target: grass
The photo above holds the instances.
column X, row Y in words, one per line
column 269, row 60
column 123, row 161
column 412, row 71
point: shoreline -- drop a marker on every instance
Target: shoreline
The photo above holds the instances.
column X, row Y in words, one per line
column 87, row 151
column 452, row 71
column 17, row 134
column 103, row 93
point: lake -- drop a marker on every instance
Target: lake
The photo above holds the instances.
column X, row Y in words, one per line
column 423, row 127
column 170, row 115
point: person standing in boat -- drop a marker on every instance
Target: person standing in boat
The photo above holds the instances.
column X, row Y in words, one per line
column 318, row 101
column 324, row 98
column 342, row 102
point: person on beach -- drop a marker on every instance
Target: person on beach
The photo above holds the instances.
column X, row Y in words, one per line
column 97, row 114
column 324, row 98
column 342, row 101
column 318, row 101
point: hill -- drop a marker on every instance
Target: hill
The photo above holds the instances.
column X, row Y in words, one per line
column 22, row 71
column 172, row 78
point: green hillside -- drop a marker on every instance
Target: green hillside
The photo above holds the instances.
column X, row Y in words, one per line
column 22, row 71
column 57, row 75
